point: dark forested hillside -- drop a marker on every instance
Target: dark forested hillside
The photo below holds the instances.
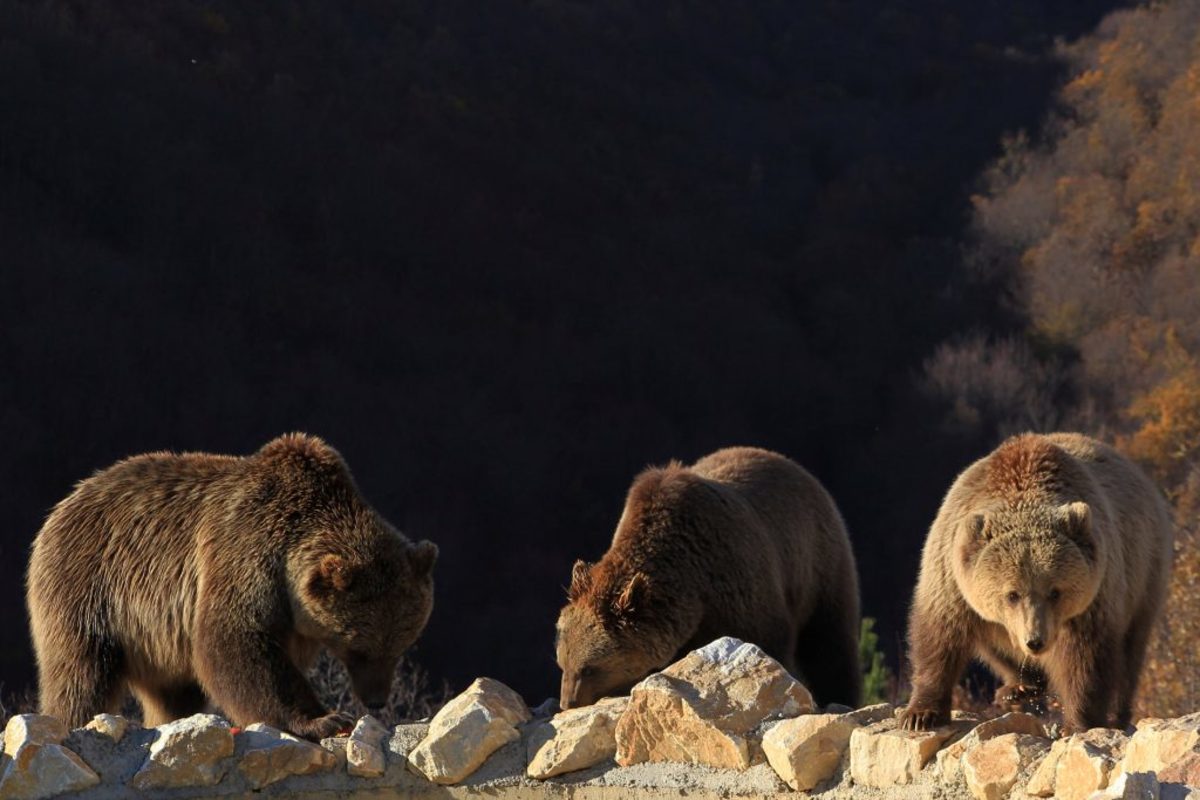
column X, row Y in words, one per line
column 502, row 255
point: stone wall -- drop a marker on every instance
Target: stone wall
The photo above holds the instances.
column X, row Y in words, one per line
column 725, row 722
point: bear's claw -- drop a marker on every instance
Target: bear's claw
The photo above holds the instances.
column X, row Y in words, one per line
column 1018, row 693
column 921, row 719
column 324, row 727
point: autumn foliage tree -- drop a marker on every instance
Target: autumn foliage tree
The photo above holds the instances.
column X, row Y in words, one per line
column 1094, row 229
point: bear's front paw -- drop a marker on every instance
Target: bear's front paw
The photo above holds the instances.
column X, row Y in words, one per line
column 331, row 724
column 921, row 718
column 1017, row 694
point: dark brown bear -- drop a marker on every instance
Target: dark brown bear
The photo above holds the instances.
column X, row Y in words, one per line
column 196, row 576
column 744, row 543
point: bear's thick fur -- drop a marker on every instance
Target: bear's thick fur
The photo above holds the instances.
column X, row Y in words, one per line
column 1050, row 554
column 196, row 576
column 744, row 543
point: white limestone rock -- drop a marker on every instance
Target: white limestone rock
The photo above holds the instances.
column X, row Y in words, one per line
column 707, row 707
column 193, row 751
column 575, row 739
column 806, row 751
column 467, row 730
column 36, row 765
column 364, row 748
column 992, row 766
column 110, row 725
column 267, row 755
column 883, row 754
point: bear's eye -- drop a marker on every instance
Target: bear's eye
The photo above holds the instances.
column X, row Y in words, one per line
column 588, row 672
column 1012, row 598
column 1054, row 595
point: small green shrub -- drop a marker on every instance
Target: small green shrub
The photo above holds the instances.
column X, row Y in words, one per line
column 877, row 678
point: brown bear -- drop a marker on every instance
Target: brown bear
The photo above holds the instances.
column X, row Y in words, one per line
column 200, row 577
column 1049, row 558
column 744, row 543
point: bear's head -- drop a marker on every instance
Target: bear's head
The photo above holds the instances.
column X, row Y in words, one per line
column 602, row 643
column 1030, row 569
column 358, row 588
column 367, row 606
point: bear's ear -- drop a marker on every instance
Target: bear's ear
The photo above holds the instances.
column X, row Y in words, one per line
column 422, row 556
column 581, row 580
column 331, row 574
column 976, row 526
column 632, row 597
column 975, row 536
column 300, row 450
column 1077, row 520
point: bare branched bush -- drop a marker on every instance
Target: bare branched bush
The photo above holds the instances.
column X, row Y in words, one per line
column 996, row 384
column 20, row 701
column 413, row 697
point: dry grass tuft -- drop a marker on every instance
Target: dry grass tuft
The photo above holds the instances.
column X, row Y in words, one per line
column 412, row 697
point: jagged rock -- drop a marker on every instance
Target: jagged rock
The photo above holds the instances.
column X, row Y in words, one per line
column 364, row 748
column 1126, row 786
column 269, row 755
column 27, row 729
column 991, row 766
column 545, row 709
column 575, row 739
column 467, row 730
column 1184, row 772
column 404, row 739
column 949, row 758
column 188, row 752
column 36, row 765
column 1086, row 762
column 806, row 751
column 1041, row 783
column 1158, row 743
column 884, row 755
column 703, row 708
column 110, row 725
column 336, row 747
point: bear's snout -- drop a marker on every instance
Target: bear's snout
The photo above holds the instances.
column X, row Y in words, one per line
column 372, row 686
column 573, row 694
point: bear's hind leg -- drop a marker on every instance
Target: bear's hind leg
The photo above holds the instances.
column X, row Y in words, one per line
column 161, row 704
column 1136, row 640
column 79, row 679
column 827, row 657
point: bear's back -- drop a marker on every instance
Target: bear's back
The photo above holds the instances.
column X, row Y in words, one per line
column 798, row 513
column 122, row 546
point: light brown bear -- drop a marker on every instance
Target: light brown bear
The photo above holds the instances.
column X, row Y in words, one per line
column 194, row 576
column 1052, row 553
column 744, row 543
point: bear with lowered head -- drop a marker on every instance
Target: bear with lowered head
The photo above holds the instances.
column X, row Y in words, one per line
column 197, row 578
column 743, row 543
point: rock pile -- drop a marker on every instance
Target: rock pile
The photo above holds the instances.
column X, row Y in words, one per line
column 708, row 708
column 725, row 721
